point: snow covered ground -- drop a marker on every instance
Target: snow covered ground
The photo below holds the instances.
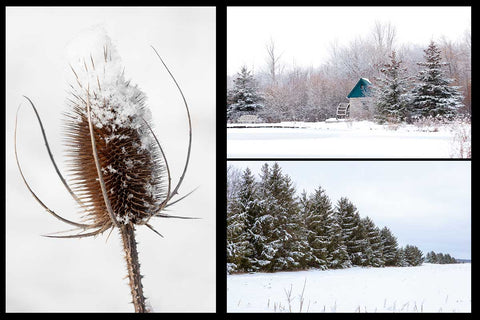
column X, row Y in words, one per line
column 427, row 288
column 360, row 139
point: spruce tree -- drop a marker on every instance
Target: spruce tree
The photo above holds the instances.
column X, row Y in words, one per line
column 440, row 258
column 391, row 92
column 362, row 246
column 248, row 212
column 401, row 260
column 240, row 219
column 433, row 96
column 263, row 226
column 337, row 250
column 316, row 223
column 390, row 247
column 431, row 257
column 352, row 232
column 244, row 97
column 283, row 209
column 374, row 237
column 304, row 212
column 413, row 255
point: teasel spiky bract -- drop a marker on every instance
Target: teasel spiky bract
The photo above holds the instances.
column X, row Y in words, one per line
column 119, row 174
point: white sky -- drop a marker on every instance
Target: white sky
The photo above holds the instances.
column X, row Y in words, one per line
column 424, row 203
column 304, row 34
column 46, row 274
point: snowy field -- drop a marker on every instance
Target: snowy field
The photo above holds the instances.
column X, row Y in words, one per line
column 362, row 139
column 427, row 288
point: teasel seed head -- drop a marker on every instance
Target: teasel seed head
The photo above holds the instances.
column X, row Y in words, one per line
column 119, row 174
column 131, row 163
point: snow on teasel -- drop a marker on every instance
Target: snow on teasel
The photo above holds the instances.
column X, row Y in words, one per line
column 130, row 159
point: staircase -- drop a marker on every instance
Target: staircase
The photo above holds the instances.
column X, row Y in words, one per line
column 343, row 111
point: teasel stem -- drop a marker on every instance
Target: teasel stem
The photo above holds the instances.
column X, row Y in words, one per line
column 127, row 231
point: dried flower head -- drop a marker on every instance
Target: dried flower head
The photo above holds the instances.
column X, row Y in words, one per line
column 131, row 164
column 119, row 174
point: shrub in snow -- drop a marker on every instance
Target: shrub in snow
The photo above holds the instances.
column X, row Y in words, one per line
column 461, row 146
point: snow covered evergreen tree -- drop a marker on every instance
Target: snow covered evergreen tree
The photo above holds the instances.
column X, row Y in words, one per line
column 244, row 97
column 337, row 250
column 413, row 255
column 233, row 183
column 283, row 208
column 316, row 222
column 390, row 247
column 391, row 92
column 433, row 96
column 375, row 249
column 304, row 212
column 361, row 245
column 431, row 257
column 263, row 226
column 352, row 232
column 240, row 220
column 401, row 261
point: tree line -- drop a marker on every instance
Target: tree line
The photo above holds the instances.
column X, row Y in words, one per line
column 440, row 258
column 410, row 82
column 270, row 228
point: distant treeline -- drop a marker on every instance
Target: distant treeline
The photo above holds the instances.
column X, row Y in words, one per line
column 270, row 228
column 439, row 258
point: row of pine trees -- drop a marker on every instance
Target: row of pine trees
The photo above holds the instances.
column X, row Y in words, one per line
column 440, row 258
column 270, row 228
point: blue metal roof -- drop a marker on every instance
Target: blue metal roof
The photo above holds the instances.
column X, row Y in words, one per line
column 361, row 89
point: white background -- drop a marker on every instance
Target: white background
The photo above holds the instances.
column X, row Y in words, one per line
column 44, row 274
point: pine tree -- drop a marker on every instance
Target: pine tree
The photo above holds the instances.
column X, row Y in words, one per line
column 449, row 258
column 304, row 212
column 362, row 247
column 413, row 256
column 374, row 237
column 263, row 226
column 244, row 97
column 401, row 260
column 433, row 96
column 337, row 250
column 390, row 247
column 240, row 221
column 316, row 222
column 283, row 209
column 352, row 232
column 391, row 92
column 431, row 257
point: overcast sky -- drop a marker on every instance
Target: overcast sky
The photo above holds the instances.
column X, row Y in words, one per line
column 45, row 274
column 424, row 203
column 303, row 34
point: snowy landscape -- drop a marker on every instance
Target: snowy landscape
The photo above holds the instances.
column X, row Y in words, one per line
column 347, row 139
column 425, row 288
column 387, row 89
